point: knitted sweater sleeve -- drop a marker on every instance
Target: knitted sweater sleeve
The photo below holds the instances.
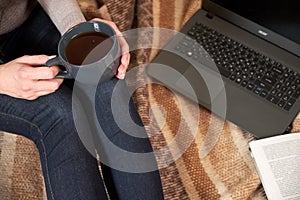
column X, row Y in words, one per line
column 63, row 13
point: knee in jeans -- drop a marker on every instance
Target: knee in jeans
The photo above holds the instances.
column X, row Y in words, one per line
column 56, row 117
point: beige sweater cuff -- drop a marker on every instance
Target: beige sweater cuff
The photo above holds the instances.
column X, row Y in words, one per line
column 63, row 13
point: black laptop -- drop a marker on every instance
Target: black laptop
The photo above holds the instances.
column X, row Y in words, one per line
column 240, row 60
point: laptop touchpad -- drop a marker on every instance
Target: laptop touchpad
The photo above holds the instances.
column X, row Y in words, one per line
column 201, row 84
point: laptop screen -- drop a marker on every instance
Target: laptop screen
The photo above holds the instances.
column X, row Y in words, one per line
column 280, row 16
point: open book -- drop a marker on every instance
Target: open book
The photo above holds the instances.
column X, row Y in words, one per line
column 278, row 163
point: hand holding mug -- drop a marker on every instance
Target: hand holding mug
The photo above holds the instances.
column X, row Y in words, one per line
column 92, row 46
column 124, row 49
column 27, row 78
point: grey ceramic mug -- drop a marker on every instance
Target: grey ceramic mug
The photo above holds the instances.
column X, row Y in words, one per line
column 90, row 47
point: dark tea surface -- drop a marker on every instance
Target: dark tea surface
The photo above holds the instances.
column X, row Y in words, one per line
column 87, row 48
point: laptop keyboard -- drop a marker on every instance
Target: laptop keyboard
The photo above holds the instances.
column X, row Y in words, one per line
column 242, row 65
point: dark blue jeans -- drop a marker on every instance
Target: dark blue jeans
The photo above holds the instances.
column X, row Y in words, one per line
column 69, row 170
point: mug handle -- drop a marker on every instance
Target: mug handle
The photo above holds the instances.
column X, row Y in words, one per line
column 56, row 61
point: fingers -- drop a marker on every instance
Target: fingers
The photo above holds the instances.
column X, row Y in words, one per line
column 41, row 81
column 35, row 60
column 29, row 72
column 48, row 86
column 124, row 48
column 36, row 73
column 32, row 82
column 124, row 62
column 33, row 90
column 125, row 58
column 123, row 67
column 125, row 51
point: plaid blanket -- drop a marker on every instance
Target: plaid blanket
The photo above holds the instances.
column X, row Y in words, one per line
column 226, row 171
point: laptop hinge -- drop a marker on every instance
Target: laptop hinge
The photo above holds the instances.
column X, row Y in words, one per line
column 210, row 15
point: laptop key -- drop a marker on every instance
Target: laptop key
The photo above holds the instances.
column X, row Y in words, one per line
column 244, row 83
column 258, row 90
column 263, row 85
column 289, row 104
column 277, row 70
column 250, row 86
column 281, row 103
column 272, row 99
column 263, row 93
column 268, row 80
column 296, row 93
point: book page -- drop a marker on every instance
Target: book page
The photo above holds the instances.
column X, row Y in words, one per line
column 278, row 163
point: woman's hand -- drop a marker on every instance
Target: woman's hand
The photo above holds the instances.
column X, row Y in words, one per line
column 21, row 78
column 124, row 48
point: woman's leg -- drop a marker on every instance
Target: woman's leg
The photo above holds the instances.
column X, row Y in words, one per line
column 70, row 172
column 134, row 174
column 57, row 139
